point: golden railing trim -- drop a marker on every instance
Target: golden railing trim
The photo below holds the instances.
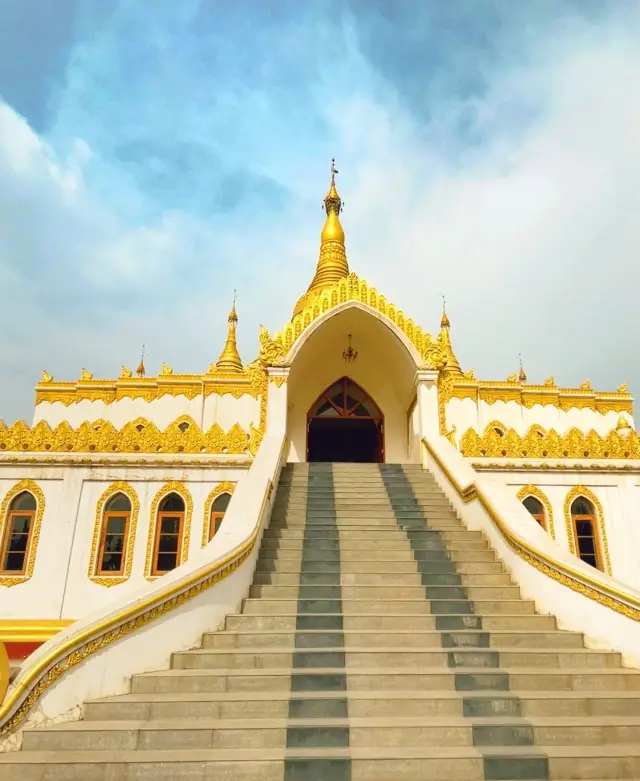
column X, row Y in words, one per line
column 77, row 647
column 615, row 599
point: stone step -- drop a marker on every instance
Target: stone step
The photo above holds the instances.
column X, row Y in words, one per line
column 308, row 733
column 428, row 763
column 401, row 539
column 410, row 568
column 390, row 621
column 473, row 551
column 345, row 592
column 287, row 704
column 380, row 679
column 400, row 658
column 373, row 638
column 302, row 531
column 480, row 607
column 388, row 580
column 429, row 561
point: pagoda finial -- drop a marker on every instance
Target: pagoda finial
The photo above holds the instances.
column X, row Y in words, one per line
column 332, row 263
column 140, row 371
column 229, row 360
column 522, row 376
column 444, row 322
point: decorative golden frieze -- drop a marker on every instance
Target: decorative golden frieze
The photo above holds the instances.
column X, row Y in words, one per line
column 34, row 536
column 351, row 288
column 574, row 493
column 545, row 395
column 221, row 488
column 139, row 461
column 538, row 443
column 560, row 466
column 120, row 487
column 278, row 381
column 533, row 490
column 237, row 384
column 138, row 436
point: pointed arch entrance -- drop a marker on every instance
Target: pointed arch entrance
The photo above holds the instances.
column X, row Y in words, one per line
column 345, row 424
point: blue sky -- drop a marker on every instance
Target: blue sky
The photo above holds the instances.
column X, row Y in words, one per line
column 156, row 155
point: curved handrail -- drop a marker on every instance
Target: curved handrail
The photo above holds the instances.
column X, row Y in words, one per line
column 5, row 671
column 593, row 588
column 75, row 647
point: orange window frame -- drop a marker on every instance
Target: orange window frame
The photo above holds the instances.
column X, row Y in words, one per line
column 595, row 533
column 213, row 519
column 156, row 542
column 103, row 539
column 541, row 518
column 7, row 536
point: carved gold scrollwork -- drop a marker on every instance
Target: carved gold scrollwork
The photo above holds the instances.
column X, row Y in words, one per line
column 138, row 436
column 538, row 443
column 272, row 352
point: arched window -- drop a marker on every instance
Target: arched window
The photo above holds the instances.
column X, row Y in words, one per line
column 18, row 534
column 583, row 517
column 218, row 509
column 115, row 532
column 536, row 508
column 169, row 532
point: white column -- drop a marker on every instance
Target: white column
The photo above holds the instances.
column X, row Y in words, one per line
column 426, row 381
column 278, row 377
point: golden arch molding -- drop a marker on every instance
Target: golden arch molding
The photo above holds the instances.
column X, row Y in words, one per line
column 174, row 486
column 36, row 491
column 120, row 487
column 574, row 493
column 533, row 490
column 221, row 488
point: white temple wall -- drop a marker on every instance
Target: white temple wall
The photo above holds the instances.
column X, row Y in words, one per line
column 618, row 495
column 414, row 433
column 224, row 410
column 466, row 414
column 60, row 586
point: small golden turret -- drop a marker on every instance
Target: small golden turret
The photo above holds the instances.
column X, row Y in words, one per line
column 332, row 263
column 522, row 376
column 229, row 360
column 623, row 427
column 451, row 366
column 141, row 371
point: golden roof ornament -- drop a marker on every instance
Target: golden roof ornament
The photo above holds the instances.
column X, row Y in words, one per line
column 46, row 377
column 141, row 371
column 86, row 375
column 522, row 376
column 550, row 382
column 166, row 370
column 125, row 373
column 586, row 386
column 624, row 388
column 623, row 427
column 229, row 360
column 451, row 365
column 332, row 263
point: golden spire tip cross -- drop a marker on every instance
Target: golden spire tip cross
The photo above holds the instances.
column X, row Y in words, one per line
column 334, row 170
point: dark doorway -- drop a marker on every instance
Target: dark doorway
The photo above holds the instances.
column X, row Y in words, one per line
column 345, row 424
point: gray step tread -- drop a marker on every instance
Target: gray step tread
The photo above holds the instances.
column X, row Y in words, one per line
column 425, row 632
column 366, row 721
column 403, row 649
column 365, row 753
column 365, row 694
column 380, row 671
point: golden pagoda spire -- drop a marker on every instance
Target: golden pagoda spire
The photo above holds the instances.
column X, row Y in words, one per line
column 332, row 263
column 229, row 360
column 451, row 366
column 522, row 376
column 140, row 371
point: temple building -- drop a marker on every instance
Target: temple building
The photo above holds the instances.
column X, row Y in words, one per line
column 132, row 510
column 125, row 479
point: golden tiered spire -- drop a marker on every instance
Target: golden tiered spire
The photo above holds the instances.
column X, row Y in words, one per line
column 229, row 360
column 522, row 376
column 140, row 371
column 451, row 366
column 332, row 263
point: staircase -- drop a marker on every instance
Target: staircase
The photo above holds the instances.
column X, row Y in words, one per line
column 381, row 641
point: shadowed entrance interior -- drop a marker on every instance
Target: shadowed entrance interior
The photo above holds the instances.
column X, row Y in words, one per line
column 345, row 424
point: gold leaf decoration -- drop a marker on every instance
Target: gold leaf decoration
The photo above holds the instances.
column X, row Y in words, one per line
column 538, row 443
column 138, row 436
